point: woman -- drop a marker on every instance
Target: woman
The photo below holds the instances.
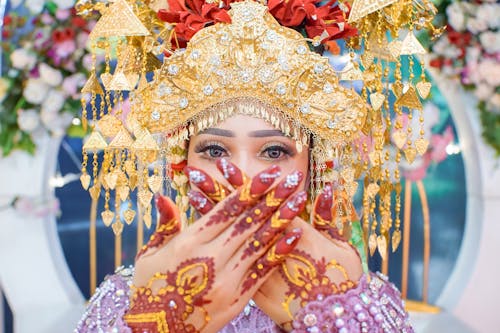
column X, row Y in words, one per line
column 262, row 112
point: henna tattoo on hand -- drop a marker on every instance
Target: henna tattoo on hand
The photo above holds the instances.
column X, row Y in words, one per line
column 213, row 189
column 200, row 202
column 307, row 279
column 248, row 194
column 168, row 225
column 276, row 223
column 181, row 295
column 264, row 209
column 273, row 258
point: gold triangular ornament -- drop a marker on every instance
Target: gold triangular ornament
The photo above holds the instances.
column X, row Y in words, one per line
column 95, row 142
column 119, row 82
column 361, row 8
column 119, row 20
column 410, row 99
column 377, row 100
column 411, row 45
column 129, row 216
column 122, row 139
column 109, row 125
column 107, row 217
column 92, row 86
column 117, row 228
column 351, row 74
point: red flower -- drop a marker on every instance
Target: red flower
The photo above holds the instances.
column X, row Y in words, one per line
column 61, row 35
column 190, row 16
column 329, row 22
column 291, row 13
column 7, row 20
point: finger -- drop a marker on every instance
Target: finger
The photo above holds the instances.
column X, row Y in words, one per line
column 168, row 225
column 231, row 172
column 199, row 202
column 266, row 207
column 333, row 213
column 219, row 218
column 210, row 187
column 275, row 225
column 271, row 259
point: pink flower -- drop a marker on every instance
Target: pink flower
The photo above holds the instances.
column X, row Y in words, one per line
column 489, row 71
column 63, row 14
column 439, row 143
column 64, row 49
column 73, row 83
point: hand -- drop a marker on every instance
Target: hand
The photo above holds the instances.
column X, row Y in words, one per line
column 322, row 263
column 201, row 278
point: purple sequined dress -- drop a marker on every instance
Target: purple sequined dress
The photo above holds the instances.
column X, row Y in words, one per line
column 373, row 306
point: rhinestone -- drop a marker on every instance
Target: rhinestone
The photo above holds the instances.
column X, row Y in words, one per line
column 246, row 75
column 247, row 15
column 265, row 75
column 173, row 69
column 215, row 60
column 327, row 88
column 208, row 90
column 310, row 319
column 338, row 309
column 172, row 304
column 280, row 89
column 224, row 37
column 314, row 329
column 183, row 102
column 265, row 46
column 163, row 90
column 155, row 115
column 271, row 35
column 364, row 298
column 301, row 49
column 302, row 86
column 319, row 68
column 339, row 322
column 195, row 54
column 305, row 109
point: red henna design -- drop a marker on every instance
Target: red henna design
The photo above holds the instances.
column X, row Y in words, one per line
column 323, row 206
column 200, row 202
column 182, row 294
column 307, row 278
column 168, row 224
column 277, row 223
column 274, row 257
column 246, row 195
column 266, row 207
column 230, row 172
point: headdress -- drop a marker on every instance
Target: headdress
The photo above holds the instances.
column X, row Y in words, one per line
column 249, row 63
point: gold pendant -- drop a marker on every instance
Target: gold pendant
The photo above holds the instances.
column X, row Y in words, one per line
column 107, row 217
column 129, row 216
column 423, row 88
column 399, row 138
column 377, row 99
column 85, row 180
column 372, row 243
column 410, row 154
column 396, row 239
column 117, row 228
column 382, row 246
column 154, row 183
column 421, row 145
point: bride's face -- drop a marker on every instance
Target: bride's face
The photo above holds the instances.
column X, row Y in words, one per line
column 249, row 143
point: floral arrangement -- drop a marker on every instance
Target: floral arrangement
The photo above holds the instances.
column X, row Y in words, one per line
column 321, row 21
column 469, row 50
column 44, row 66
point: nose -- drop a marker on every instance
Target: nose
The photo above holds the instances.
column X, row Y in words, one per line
column 243, row 160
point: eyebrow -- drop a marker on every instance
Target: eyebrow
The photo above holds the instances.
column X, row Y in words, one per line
column 265, row 133
column 219, row 132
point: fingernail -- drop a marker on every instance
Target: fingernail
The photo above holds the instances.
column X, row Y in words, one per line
column 230, row 172
column 264, row 180
column 199, row 202
column 294, row 206
column 288, row 185
column 195, row 176
column 288, row 242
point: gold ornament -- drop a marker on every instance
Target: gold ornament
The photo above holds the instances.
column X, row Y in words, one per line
column 377, row 100
column 361, row 8
column 129, row 216
column 382, row 246
column 85, row 180
column 399, row 137
column 107, row 217
column 117, row 228
column 423, row 88
column 396, row 239
column 411, row 45
column 410, row 154
column 421, row 145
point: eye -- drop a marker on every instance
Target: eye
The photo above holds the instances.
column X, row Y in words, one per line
column 275, row 152
column 211, row 150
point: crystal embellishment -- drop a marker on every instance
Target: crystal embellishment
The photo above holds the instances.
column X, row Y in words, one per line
column 305, row 109
column 155, row 115
column 246, row 75
column 319, row 68
column 330, row 124
column 183, row 102
column 173, row 69
column 327, row 88
column 195, row 55
column 280, row 89
column 208, row 90
column 163, row 90
column 301, row 49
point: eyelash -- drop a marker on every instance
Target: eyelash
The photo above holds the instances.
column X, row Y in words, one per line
column 282, row 148
column 204, row 148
